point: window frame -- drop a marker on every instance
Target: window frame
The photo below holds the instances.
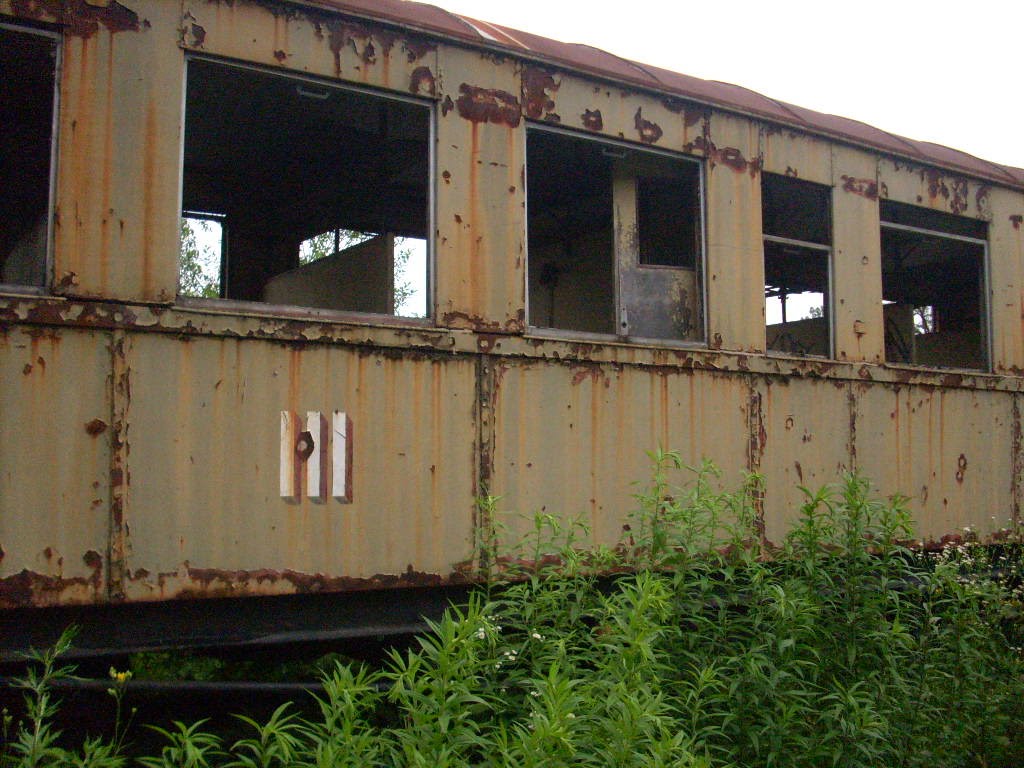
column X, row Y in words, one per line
column 316, row 314
column 56, row 38
column 985, row 332
column 828, row 310
column 700, row 261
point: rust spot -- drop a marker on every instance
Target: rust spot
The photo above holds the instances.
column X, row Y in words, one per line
column 981, row 201
column 866, row 188
column 447, row 176
column 95, row 427
column 280, row 56
column 93, row 559
column 27, row 369
column 422, row 81
column 417, row 49
column 68, row 280
column 961, row 468
column 799, row 471
column 552, row 117
column 936, row 184
column 728, row 156
column 488, row 105
column 369, row 54
column 958, row 201
column 716, row 341
column 537, row 84
column 447, row 106
column 80, row 18
column 649, row 132
column 458, row 219
column 791, row 172
column 952, row 380
column 1016, row 219
column 592, row 119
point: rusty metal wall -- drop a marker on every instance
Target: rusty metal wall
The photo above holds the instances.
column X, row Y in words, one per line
column 140, row 455
column 54, row 464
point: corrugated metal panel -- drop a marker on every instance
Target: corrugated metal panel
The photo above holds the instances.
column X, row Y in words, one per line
column 734, row 236
column 950, row 451
column 572, row 440
column 1006, row 281
column 206, row 516
column 806, row 427
column 857, row 257
column 118, row 159
column 316, row 43
column 798, row 155
column 561, row 99
column 54, row 465
column 917, row 185
column 481, row 250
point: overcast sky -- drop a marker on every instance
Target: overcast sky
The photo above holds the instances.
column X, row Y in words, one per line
column 935, row 71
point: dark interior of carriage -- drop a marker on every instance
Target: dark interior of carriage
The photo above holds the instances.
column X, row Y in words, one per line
column 279, row 161
column 28, row 63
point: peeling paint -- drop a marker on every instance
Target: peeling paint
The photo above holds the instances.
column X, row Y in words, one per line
column 866, row 188
column 649, row 132
column 488, row 105
column 538, row 85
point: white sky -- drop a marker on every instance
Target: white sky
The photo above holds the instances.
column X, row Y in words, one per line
column 951, row 73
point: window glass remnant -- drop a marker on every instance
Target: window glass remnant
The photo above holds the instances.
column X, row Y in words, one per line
column 321, row 192
column 933, row 288
column 27, row 94
column 797, row 228
column 615, row 239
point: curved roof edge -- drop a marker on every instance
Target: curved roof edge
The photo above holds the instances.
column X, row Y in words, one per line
column 594, row 61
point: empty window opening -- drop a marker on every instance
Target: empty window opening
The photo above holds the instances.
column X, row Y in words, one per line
column 321, row 193
column 933, row 288
column 797, row 227
column 615, row 239
column 28, row 61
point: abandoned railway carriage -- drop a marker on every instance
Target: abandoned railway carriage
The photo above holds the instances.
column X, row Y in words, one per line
column 287, row 286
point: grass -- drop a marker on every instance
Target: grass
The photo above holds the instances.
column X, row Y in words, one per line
column 692, row 643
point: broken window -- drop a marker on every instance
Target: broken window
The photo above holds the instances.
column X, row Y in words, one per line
column 797, row 228
column 615, row 239
column 933, row 287
column 28, row 61
column 303, row 193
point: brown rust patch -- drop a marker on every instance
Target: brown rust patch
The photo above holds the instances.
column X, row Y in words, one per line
column 961, row 469
column 447, row 106
column 649, row 132
column 730, row 157
column 866, row 188
column 1016, row 220
column 95, row 427
column 592, row 119
column 488, row 105
column 29, row 588
column 80, row 18
column 198, row 36
column 281, row 56
column 537, row 87
column 958, row 198
column 422, row 81
column 936, row 184
column 417, row 49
